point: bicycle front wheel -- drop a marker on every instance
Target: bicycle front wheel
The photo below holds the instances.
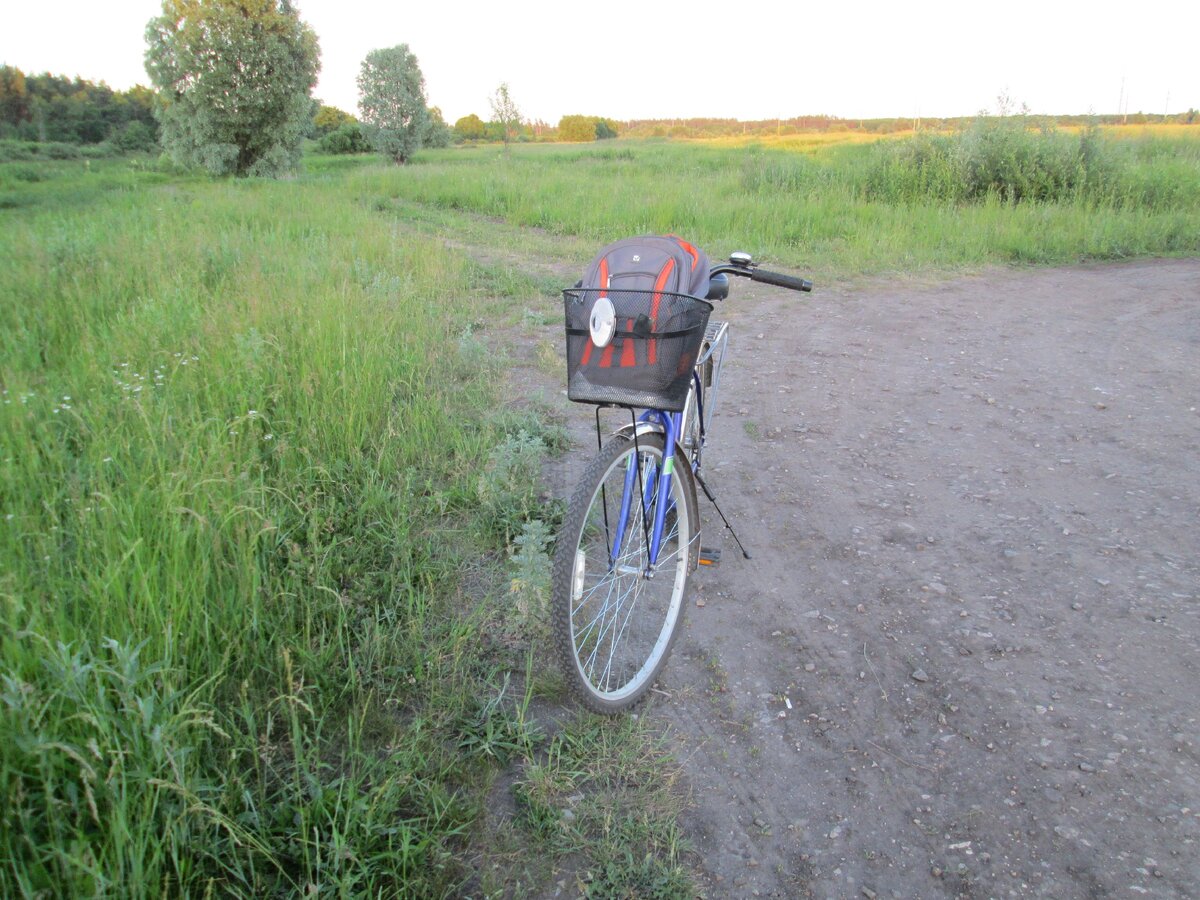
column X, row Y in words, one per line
column 615, row 616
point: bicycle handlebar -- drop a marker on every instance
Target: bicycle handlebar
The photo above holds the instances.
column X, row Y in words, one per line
column 756, row 274
column 783, row 281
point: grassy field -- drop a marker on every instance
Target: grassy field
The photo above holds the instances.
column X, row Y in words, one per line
column 272, row 549
column 885, row 207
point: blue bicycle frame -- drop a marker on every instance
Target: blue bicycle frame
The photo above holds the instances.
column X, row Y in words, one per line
column 658, row 481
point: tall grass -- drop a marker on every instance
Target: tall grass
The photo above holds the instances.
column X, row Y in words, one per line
column 233, row 435
column 1003, row 158
column 881, row 207
column 271, row 542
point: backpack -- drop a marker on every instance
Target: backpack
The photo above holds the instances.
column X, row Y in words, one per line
column 648, row 292
column 649, row 263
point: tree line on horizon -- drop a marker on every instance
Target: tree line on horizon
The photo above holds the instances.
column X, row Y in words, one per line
column 49, row 108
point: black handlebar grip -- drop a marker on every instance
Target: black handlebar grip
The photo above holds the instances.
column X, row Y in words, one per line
column 783, row 281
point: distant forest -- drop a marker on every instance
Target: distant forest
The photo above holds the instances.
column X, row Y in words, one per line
column 54, row 108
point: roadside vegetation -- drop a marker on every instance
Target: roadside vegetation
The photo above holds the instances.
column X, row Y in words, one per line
column 273, row 551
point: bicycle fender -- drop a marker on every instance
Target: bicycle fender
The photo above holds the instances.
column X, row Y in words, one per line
column 626, row 431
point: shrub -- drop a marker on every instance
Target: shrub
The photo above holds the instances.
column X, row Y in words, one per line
column 1002, row 158
column 135, row 136
column 347, row 138
column 58, row 151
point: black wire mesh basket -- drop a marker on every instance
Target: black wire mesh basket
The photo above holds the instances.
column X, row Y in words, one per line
column 648, row 361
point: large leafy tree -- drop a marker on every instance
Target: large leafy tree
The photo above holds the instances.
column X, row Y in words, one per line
column 577, row 128
column 234, row 78
column 391, row 102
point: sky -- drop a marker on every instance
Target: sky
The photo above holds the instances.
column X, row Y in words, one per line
column 748, row 60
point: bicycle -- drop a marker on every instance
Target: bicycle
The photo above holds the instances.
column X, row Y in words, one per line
column 629, row 542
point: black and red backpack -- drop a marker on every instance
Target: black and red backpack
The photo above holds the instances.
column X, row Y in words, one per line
column 649, row 263
column 635, row 322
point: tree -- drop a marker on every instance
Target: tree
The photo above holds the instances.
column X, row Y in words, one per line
column 234, row 78
column 576, row 128
column 437, row 132
column 505, row 113
column 392, row 102
column 329, row 119
column 470, row 128
column 14, row 98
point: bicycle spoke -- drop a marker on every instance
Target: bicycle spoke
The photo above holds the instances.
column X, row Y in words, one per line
column 620, row 613
column 616, row 611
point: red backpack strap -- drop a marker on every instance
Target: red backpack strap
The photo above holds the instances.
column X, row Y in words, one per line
column 688, row 249
column 587, row 351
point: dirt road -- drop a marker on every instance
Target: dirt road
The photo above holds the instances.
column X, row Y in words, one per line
column 963, row 661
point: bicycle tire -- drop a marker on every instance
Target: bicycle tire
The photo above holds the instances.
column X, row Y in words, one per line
column 591, row 600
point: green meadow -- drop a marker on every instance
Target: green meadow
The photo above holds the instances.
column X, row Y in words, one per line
column 272, row 547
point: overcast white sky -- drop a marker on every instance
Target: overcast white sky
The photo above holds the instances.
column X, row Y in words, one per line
column 746, row 60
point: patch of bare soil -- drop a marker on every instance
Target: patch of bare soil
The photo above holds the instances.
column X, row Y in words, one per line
column 963, row 660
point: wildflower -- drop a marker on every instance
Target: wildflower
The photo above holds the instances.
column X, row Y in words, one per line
column 268, row 437
column 252, row 413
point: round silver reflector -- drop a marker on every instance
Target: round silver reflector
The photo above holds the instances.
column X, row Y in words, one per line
column 603, row 322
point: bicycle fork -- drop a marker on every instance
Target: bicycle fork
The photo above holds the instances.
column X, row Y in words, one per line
column 653, row 488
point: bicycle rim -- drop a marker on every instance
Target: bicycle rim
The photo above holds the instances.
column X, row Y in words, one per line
column 616, row 625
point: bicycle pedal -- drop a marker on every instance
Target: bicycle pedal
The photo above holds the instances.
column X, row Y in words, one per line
column 710, row 558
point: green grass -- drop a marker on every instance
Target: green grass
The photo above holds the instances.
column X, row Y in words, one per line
column 825, row 211
column 253, row 543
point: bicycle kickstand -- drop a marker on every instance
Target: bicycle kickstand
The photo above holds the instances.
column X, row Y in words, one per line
column 713, row 500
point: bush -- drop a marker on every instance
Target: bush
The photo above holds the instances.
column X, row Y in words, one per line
column 135, row 136
column 999, row 157
column 103, row 150
column 58, row 151
column 16, row 151
column 346, row 138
